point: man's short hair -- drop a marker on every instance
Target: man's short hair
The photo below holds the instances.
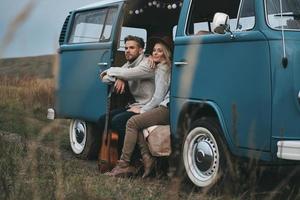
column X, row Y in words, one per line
column 138, row 40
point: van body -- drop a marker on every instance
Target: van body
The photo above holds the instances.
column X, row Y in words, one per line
column 235, row 85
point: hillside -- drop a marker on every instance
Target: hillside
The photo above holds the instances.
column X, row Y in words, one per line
column 39, row 67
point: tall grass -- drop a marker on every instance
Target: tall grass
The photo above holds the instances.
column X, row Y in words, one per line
column 28, row 91
column 23, row 100
column 35, row 159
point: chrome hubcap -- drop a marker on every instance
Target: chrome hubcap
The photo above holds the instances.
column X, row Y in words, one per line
column 205, row 155
column 78, row 136
column 201, row 156
column 79, row 132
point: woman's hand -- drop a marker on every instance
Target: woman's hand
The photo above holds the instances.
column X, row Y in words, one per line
column 151, row 62
column 135, row 109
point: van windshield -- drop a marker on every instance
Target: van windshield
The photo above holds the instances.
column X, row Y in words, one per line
column 290, row 17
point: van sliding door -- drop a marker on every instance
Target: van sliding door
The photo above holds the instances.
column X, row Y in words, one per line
column 233, row 73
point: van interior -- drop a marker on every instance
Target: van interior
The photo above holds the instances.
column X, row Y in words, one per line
column 159, row 18
column 148, row 19
column 145, row 19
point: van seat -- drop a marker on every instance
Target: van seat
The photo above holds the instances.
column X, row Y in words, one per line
column 202, row 32
column 119, row 59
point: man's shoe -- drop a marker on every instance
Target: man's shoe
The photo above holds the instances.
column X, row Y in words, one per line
column 149, row 164
column 122, row 169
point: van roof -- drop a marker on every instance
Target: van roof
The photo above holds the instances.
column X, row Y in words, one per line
column 99, row 4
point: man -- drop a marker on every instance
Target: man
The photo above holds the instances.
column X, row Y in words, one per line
column 140, row 76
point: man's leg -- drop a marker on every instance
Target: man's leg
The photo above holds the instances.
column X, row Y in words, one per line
column 118, row 124
column 101, row 120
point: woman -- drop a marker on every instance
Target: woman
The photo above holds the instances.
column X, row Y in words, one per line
column 154, row 112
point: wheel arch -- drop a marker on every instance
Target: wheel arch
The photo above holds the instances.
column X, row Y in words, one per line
column 194, row 110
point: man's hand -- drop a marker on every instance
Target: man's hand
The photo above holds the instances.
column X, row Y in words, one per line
column 102, row 74
column 119, row 86
column 135, row 109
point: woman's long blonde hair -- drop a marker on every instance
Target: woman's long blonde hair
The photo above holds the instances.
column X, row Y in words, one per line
column 167, row 53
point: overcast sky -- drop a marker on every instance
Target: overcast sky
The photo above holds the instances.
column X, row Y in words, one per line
column 39, row 33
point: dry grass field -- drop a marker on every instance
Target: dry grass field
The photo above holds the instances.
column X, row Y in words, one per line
column 36, row 161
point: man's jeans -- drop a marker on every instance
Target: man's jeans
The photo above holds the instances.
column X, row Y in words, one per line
column 119, row 118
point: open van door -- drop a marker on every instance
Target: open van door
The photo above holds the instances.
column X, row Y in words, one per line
column 88, row 48
column 87, row 45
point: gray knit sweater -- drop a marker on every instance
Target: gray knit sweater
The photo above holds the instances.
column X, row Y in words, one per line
column 140, row 78
column 162, row 83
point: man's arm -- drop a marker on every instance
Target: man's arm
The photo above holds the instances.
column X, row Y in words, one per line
column 119, row 84
column 143, row 70
column 106, row 78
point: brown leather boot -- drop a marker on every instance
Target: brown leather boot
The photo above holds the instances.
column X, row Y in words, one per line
column 122, row 169
column 149, row 164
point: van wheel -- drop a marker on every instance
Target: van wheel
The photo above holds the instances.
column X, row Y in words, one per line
column 203, row 155
column 83, row 140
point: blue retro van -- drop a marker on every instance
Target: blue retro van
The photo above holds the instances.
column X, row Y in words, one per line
column 235, row 86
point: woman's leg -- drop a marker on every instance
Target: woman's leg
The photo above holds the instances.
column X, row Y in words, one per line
column 156, row 116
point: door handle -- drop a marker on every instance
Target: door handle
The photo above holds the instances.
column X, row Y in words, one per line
column 102, row 64
column 299, row 96
column 180, row 63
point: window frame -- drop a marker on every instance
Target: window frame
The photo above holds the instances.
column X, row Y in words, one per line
column 187, row 19
column 108, row 11
column 273, row 28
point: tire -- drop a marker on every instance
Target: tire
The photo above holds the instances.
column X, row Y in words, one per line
column 204, row 153
column 83, row 139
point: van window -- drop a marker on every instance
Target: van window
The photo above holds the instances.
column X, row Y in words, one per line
column 246, row 18
column 93, row 26
column 290, row 17
column 197, row 24
column 202, row 13
column 201, row 26
column 125, row 31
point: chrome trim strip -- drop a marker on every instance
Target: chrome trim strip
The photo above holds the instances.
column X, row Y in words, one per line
column 239, row 13
column 181, row 63
column 288, row 149
column 102, row 64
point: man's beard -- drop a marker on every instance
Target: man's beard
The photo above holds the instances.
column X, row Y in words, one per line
column 131, row 58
